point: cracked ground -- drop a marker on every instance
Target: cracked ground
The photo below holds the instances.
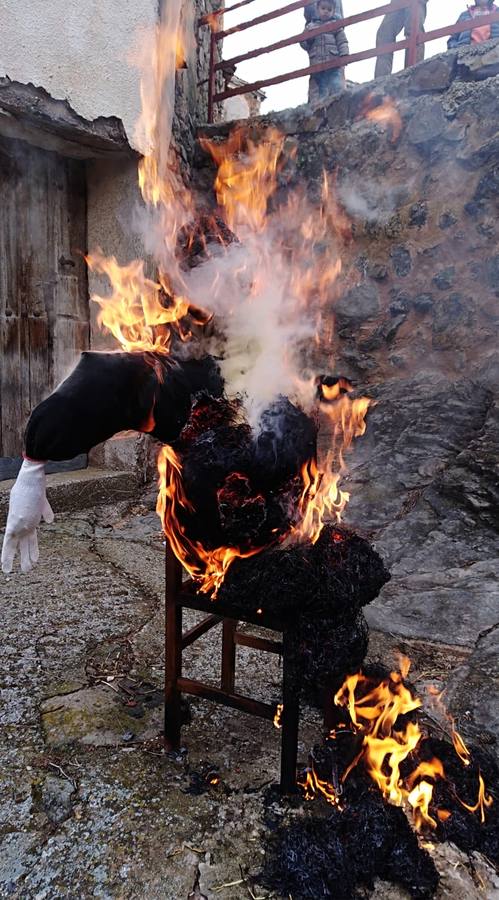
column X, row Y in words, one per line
column 91, row 805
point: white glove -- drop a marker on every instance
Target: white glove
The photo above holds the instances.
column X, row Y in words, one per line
column 27, row 506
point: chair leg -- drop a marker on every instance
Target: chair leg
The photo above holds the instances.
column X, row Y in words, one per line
column 228, row 679
column 173, row 652
column 290, row 718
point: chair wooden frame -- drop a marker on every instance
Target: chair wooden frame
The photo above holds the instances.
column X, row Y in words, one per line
column 179, row 596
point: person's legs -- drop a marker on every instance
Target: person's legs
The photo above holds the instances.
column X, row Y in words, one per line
column 314, row 92
column 332, row 82
column 421, row 21
column 390, row 27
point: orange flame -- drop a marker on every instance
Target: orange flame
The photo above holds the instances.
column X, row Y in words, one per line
column 247, row 175
column 464, row 755
column 374, row 710
column 135, row 312
column 143, row 313
column 483, row 801
column 278, row 716
column 458, row 742
column 312, row 785
column 140, row 312
column 162, row 53
column 321, row 496
column 208, row 567
column 384, row 113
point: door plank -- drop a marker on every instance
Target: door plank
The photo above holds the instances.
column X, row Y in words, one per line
column 44, row 309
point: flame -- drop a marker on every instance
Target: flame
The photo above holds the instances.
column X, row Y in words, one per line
column 141, row 313
column 135, row 312
column 460, row 747
column 384, row 113
column 162, row 53
column 483, row 801
column 247, row 175
column 375, row 713
column 312, row 785
column 375, row 710
column 458, row 742
column 278, row 716
column 463, row 753
column 321, row 496
column 207, row 567
column 144, row 313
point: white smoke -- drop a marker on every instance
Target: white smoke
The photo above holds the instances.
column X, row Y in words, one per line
column 256, row 288
column 248, row 287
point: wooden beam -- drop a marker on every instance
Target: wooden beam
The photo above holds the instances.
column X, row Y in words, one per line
column 257, row 643
column 235, row 701
column 198, row 630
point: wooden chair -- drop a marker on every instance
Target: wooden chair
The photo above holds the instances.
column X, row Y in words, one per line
column 180, row 596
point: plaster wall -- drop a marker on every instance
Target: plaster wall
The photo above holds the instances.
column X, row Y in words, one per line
column 113, row 198
column 78, row 50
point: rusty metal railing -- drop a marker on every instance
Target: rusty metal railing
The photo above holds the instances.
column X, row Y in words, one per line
column 410, row 44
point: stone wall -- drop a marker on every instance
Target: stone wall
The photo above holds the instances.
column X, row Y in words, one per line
column 191, row 96
column 416, row 315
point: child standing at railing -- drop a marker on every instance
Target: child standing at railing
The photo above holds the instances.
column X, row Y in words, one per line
column 476, row 35
column 324, row 48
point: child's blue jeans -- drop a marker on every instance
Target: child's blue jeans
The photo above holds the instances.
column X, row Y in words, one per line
column 325, row 84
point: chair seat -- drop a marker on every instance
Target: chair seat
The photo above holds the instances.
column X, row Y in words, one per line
column 190, row 598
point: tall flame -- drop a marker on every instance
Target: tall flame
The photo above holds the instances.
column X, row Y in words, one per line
column 141, row 312
column 247, row 175
column 269, row 295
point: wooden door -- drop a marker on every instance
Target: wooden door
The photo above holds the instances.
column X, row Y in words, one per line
column 44, row 310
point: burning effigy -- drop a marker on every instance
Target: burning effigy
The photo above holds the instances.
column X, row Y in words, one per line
column 215, row 362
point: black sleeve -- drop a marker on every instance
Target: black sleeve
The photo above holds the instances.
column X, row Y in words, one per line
column 111, row 392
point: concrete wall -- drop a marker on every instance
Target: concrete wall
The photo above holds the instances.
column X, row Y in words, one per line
column 77, row 50
column 113, row 198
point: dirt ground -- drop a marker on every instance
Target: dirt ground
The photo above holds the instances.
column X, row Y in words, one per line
column 91, row 805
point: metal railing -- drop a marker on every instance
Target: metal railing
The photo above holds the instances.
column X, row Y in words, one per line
column 410, row 43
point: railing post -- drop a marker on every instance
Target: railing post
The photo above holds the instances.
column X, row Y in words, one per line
column 212, row 74
column 411, row 56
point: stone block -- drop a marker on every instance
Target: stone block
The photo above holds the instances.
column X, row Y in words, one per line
column 401, row 260
column 72, row 491
column 480, row 61
column 93, row 716
column 127, row 452
column 361, row 303
column 428, row 122
column 434, row 74
column 444, row 279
